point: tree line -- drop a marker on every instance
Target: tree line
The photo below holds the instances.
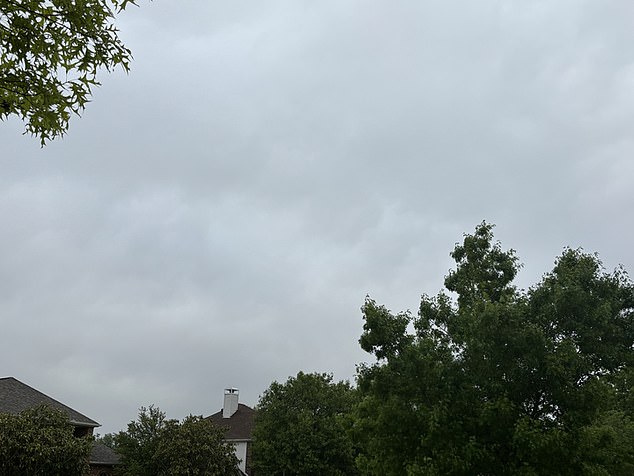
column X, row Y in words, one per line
column 486, row 379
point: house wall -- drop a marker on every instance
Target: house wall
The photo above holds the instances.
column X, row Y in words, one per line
column 98, row 470
column 241, row 453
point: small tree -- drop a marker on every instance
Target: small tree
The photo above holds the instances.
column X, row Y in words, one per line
column 106, row 440
column 301, row 428
column 40, row 441
column 195, row 447
column 156, row 446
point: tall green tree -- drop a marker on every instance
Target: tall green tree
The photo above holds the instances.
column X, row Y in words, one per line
column 40, row 441
column 494, row 380
column 156, row 446
column 301, row 428
column 50, row 54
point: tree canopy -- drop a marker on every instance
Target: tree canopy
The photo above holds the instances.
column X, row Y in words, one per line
column 40, row 441
column 496, row 380
column 156, row 446
column 301, row 428
column 50, row 54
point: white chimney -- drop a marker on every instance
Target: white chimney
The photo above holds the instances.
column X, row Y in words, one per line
column 231, row 402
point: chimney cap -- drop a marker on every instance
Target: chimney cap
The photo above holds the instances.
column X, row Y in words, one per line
column 231, row 390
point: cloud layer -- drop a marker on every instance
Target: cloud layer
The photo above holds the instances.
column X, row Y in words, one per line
column 217, row 216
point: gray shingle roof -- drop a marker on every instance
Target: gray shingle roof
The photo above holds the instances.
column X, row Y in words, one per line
column 239, row 425
column 16, row 397
column 103, row 456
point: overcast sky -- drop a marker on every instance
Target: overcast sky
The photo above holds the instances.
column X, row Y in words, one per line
column 217, row 216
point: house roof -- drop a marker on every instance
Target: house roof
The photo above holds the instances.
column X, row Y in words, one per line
column 239, row 425
column 103, row 456
column 16, row 397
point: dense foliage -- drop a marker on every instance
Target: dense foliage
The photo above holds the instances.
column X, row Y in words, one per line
column 502, row 381
column 50, row 53
column 156, row 446
column 301, row 428
column 106, row 440
column 40, row 441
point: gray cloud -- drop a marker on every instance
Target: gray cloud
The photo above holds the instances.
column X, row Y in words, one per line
column 217, row 216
